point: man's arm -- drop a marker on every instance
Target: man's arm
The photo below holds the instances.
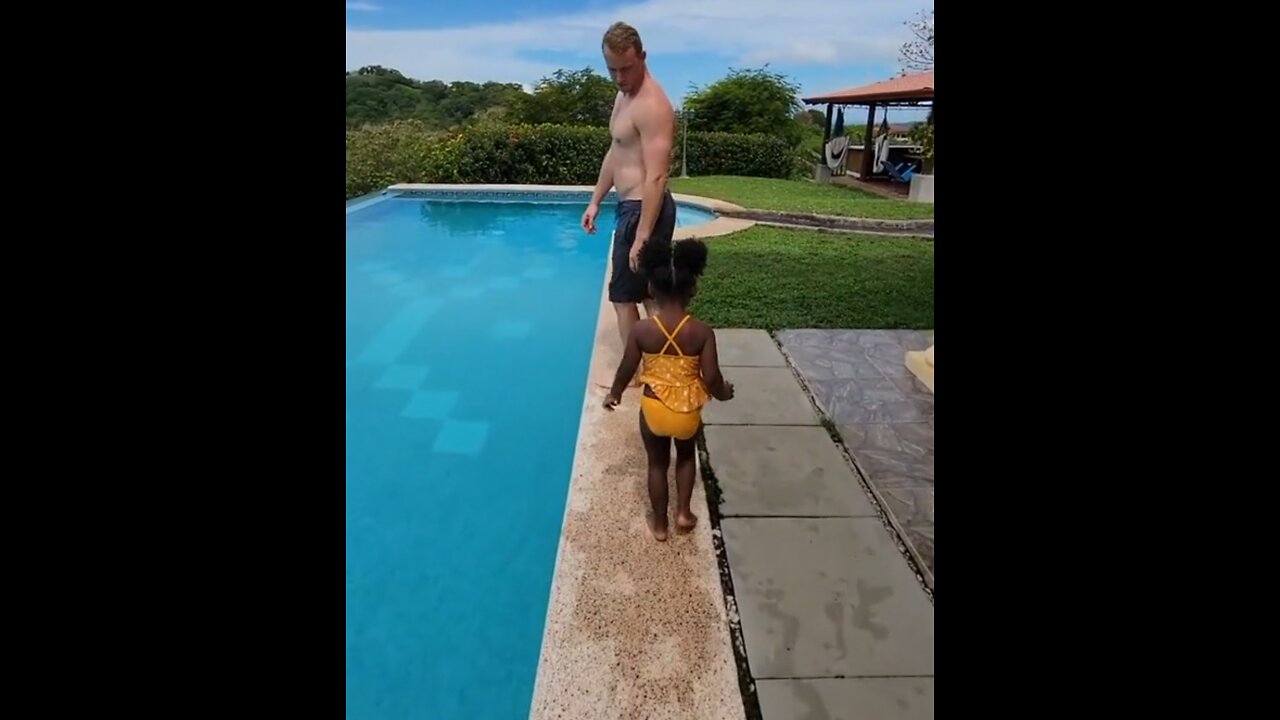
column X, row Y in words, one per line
column 626, row 369
column 657, row 126
column 605, row 182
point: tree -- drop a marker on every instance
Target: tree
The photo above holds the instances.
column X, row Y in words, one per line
column 376, row 94
column 568, row 97
column 917, row 54
column 747, row 101
column 378, row 70
column 811, row 117
column 463, row 99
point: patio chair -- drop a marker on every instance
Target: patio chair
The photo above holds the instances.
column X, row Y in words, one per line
column 901, row 172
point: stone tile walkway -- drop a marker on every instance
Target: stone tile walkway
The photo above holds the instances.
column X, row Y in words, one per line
column 834, row 620
column 884, row 415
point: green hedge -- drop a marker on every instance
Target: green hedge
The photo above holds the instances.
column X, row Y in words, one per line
column 407, row 151
column 396, row 152
column 716, row 153
column 529, row 154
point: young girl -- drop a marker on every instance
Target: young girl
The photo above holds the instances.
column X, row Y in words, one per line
column 680, row 372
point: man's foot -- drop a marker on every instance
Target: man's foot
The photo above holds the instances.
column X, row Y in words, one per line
column 686, row 522
column 659, row 531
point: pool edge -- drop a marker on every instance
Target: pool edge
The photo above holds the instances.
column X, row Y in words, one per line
column 586, row 667
column 357, row 204
column 721, row 225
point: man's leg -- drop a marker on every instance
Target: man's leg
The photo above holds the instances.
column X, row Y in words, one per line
column 626, row 288
column 628, row 315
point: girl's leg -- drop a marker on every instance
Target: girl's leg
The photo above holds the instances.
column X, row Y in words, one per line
column 685, row 465
column 659, row 451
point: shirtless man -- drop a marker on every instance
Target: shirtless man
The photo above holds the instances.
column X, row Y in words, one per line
column 643, row 128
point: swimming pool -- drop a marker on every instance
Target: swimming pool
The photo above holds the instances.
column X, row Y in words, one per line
column 469, row 333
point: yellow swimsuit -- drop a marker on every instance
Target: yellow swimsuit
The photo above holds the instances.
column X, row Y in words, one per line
column 677, row 381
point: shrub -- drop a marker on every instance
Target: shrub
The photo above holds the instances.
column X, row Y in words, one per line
column 488, row 152
column 923, row 135
column 379, row 155
column 531, row 154
column 716, row 153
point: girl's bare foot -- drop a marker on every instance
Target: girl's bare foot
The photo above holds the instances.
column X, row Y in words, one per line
column 685, row 522
column 659, row 531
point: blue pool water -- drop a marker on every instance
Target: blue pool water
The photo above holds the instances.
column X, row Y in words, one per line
column 469, row 333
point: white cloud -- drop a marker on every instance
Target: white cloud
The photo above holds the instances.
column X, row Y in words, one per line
column 744, row 32
column 363, row 7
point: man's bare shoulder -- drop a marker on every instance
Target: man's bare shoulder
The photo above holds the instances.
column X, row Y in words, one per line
column 654, row 112
column 655, row 98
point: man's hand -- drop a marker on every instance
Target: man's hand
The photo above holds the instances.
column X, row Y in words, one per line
column 635, row 253
column 611, row 401
column 589, row 218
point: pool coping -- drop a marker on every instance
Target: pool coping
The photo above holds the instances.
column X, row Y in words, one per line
column 586, row 667
column 722, row 224
column 920, row 227
column 359, row 203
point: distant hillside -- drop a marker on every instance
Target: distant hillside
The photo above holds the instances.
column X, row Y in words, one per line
column 376, row 94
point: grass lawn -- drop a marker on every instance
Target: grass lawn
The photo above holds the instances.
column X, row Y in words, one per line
column 774, row 278
column 800, row 196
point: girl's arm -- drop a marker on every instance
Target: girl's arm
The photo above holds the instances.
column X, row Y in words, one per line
column 719, row 388
column 626, row 370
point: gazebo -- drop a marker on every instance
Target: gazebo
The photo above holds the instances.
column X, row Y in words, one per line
column 906, row 91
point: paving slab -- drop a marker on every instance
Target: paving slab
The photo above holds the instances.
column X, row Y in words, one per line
column 884, row 414
column 831, row 354
column 827, row 597
column 865, row 400
column 891, row 451
column 917, row 392
column 847, row 699
column 736, row 347
column 762, row 396
column 783, row 471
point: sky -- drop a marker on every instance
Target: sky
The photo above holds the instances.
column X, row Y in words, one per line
column 822, row 45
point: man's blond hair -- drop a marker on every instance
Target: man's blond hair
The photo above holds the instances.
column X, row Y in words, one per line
column 621, row 36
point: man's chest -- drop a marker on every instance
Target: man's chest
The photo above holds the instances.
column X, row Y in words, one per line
column 623, row 127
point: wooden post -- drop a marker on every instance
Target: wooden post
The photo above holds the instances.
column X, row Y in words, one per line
column 868, row 147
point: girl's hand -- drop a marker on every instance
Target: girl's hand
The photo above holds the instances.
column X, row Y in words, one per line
column 611, row 401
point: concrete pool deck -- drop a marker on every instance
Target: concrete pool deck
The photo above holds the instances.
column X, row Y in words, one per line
column 827, row 616
column 635, row 628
